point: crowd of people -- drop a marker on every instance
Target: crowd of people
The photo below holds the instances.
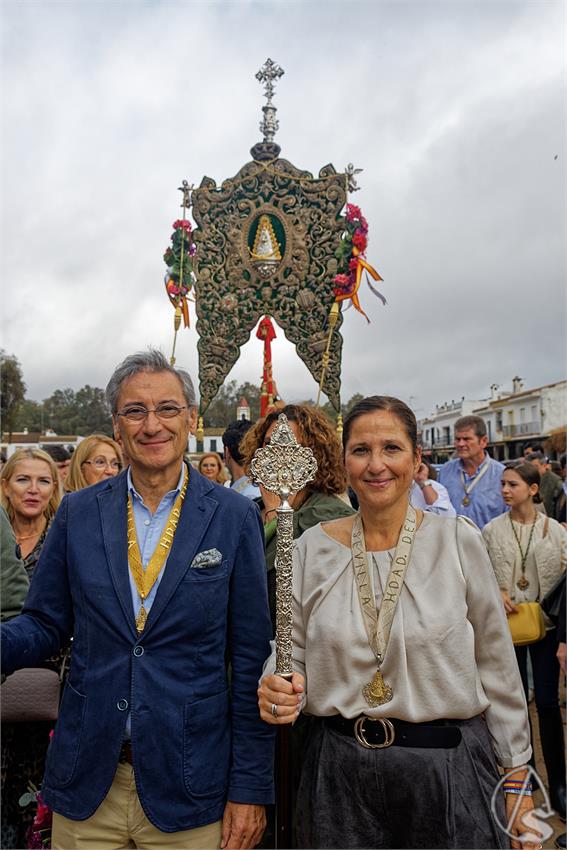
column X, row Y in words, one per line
column 148, row 583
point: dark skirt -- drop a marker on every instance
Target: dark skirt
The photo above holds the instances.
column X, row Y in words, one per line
column 399, row 797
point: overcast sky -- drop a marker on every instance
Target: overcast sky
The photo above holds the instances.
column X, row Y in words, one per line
column 455, row 110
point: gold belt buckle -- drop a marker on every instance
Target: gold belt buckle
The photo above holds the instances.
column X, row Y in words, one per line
column 387, row 726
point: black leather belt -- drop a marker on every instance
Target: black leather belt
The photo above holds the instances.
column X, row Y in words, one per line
column 381, row 732
column 125, row 756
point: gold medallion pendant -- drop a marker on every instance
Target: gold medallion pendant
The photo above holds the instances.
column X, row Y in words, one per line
column 377, row 692
column 466, row 501
column 141, row 619
column 522, row 583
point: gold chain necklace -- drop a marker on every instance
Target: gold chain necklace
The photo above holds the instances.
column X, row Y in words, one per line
column 523, row 582
column 146, row 578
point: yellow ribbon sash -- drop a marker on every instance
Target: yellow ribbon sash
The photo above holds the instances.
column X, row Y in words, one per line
column 146, row 578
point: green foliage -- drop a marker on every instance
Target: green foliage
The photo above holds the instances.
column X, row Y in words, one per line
column 222, row 410
column 30, row 417
column 330, row 411
column 12, row 390
column 83, row 412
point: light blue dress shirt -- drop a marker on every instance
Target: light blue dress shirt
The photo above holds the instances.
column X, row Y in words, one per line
column 245, row 487
column 149, row 528
column 486, row 500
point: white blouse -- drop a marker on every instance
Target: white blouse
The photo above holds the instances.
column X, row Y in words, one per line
column 450, row 654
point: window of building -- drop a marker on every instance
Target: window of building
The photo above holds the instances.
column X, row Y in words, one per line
column 213, row 446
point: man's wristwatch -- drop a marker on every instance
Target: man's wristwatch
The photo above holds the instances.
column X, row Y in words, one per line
column 422, row 484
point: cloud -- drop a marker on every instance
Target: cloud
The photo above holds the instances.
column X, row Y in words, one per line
column 454, row 110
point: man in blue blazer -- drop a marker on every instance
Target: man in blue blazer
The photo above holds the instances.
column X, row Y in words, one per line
column 156, row 745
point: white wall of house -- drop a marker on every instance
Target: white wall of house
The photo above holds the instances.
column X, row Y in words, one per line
column 509, row 414
column 554, row 406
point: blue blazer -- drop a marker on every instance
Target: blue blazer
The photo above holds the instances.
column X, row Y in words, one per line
column 197, row 740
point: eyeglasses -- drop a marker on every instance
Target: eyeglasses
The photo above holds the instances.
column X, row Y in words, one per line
column 102, row 463
column 137, row 413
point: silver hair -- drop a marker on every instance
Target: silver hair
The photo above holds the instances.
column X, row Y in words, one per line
column 151, row 360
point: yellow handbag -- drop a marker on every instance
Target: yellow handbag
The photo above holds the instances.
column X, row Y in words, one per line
column 527, row 625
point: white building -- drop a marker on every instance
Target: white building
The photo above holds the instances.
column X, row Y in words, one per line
column 438, row 430
column 36, row 440
column 513, row 418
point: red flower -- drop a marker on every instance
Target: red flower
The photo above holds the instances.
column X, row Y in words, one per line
column 359, row 241
column 182, row 224
column 42, row 817
column 343, row 284
column 341, row 279
column 353, row 264
column 352, row 212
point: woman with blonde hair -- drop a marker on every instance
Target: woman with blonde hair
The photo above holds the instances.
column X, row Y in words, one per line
column 30, row 496
column 211, row 466
column 96, row 457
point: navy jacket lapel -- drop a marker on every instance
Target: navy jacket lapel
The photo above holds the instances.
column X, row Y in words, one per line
column 196, row 514
column 112, row 506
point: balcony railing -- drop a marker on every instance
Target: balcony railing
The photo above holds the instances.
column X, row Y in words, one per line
column 437, row 443
column 521, row 430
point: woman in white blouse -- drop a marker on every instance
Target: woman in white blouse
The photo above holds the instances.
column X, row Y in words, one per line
column 403, row 654
column 528, row 551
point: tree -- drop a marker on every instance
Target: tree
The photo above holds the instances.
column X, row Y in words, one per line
column 330, row 411
column 12, row 390
column 30, row 416
column 222, row 410
column 93, row 411
column 83, row 412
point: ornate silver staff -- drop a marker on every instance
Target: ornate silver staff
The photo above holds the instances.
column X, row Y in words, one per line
column 283, row 467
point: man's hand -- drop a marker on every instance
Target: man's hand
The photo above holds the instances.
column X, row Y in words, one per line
column 243, row 826
column 422, row 474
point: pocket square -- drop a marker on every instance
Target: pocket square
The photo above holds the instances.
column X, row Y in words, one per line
column 208, row 558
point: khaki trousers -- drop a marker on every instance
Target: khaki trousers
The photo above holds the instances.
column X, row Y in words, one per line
column 120, row 822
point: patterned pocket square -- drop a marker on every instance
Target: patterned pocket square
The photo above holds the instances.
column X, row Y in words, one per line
column 208, row 558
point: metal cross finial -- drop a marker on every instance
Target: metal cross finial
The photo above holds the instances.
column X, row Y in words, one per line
column 186, row 189
column 283, row 467
column 268, row 74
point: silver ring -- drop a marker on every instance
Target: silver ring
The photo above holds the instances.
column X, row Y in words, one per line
column 274, row 710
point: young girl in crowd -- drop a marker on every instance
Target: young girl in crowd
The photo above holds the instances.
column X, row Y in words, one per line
column 528, row 551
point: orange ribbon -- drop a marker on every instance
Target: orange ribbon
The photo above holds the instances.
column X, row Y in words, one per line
column 353, row 294
column 185, row 311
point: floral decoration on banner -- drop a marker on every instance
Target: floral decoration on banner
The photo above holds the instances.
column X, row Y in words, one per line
column 180, row 277
column 351, row 255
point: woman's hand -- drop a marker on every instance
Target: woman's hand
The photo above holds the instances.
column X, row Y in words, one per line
column 282, row 693
column 509, row 606
column 517, row 824
column 272, row 501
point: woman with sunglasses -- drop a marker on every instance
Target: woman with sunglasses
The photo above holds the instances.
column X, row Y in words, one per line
column 528, row 551
column 96, row 457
